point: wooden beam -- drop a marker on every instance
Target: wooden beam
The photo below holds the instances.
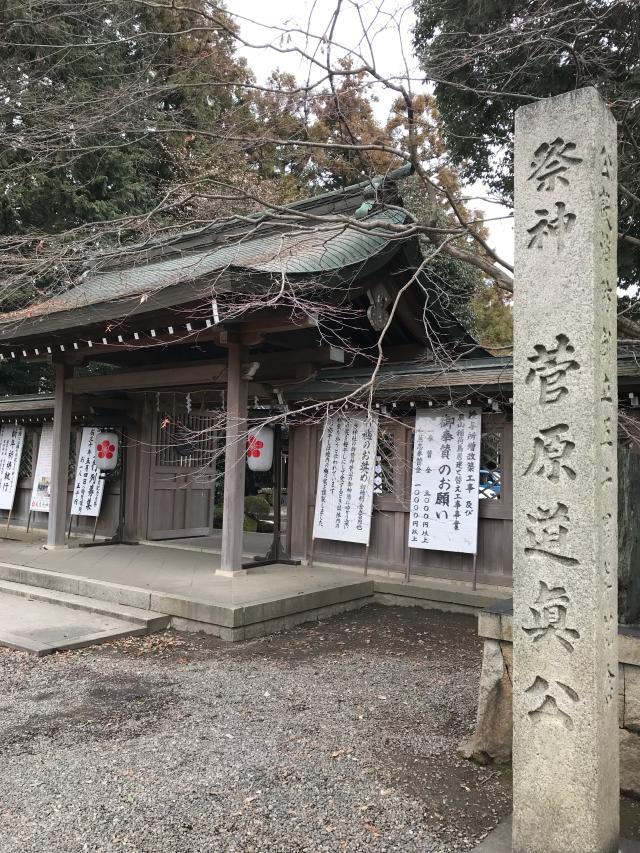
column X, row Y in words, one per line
column 251, row 326
column 192, row 374
column 77, row 351
column 62, row 405
column 325, row 355
column 267, row 321
column 234, row 465
column 14, row 407
column 407, row 352
column 145, row 341
column 195, row 373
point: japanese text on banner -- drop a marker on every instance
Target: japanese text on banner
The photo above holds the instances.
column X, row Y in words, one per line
column 11, row 444
column 89, row 486
column 445, row 481
column 344, row 494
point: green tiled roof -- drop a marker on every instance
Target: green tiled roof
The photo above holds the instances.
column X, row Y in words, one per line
column 297, row 253
column 420, row 379
column 305, row 250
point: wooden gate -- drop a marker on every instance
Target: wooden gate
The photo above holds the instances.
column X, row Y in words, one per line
column 182, row 474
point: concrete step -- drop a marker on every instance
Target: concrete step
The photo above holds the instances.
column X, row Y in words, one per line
column 148, row 620
column 105, row 591
column 41, row 627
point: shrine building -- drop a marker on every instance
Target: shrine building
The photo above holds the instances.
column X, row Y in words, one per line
column 174, row 343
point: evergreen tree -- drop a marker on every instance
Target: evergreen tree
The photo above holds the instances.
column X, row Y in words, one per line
column 488, row 57
column 99, row 104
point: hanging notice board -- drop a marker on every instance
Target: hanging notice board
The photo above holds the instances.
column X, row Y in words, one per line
column 445, row 480
column 41, row 493
column 88, row 487
column 11, row 444
column 344, row 495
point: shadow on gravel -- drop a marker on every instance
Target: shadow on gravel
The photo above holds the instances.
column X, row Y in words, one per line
column 100, row 712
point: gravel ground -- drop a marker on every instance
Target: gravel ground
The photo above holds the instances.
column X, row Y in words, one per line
column 335, row 736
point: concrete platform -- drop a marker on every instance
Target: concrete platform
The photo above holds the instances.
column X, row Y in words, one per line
column 183, row 584
column 253, row 544
column 41, row 628
column 499, row 841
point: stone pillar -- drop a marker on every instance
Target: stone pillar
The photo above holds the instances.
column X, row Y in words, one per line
column 234, row 465
column 62, row 404
column 565, row 751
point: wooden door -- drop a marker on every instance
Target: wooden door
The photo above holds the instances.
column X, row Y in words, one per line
column 181, row 476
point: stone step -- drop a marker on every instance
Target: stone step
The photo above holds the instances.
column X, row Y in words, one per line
column 148, row 620
column 42, row 627
column 102, row 591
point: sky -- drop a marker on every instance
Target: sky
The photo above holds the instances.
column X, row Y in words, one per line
column 377, row 28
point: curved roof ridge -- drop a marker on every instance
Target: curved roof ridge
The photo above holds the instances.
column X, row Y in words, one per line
column 318, row 250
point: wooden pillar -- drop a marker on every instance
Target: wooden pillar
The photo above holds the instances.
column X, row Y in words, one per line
column 139, row 453
column 148, row 432
column 298, row 491
column 234, row 465
column 62, row 404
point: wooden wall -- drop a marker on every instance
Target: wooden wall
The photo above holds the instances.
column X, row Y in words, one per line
column 166, row 495
column 390, row 523
column 108, row 521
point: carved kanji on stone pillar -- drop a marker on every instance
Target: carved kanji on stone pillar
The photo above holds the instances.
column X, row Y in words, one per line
column 565, row 751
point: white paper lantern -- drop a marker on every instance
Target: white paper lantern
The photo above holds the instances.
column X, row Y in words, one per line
column 260, row 449
column 107, row 448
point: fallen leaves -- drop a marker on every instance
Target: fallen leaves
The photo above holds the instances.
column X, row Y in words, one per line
column 377, row 833
column 340, row 752
column 160, row 643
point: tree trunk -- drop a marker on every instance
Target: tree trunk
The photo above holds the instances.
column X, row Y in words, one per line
column 628, row 534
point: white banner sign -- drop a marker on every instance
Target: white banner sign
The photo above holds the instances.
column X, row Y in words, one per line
column 41, row 494
column 445, row 480
column 344, row 496
column 89, row 486
column 11, row 444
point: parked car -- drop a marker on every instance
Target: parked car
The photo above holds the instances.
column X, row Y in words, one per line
column 489, row 484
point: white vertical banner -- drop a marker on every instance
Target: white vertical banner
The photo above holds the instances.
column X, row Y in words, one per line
column 41, row 493
column 11, row 444
column 445, row 480
column 88, row 487
column 344, row 494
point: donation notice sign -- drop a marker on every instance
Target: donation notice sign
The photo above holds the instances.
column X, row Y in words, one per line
column 344, row 495
column 89, row 486
column 41, row 493
column 11, row 444
column 445, row 480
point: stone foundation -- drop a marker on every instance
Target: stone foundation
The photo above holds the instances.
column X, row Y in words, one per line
column 492, row 739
